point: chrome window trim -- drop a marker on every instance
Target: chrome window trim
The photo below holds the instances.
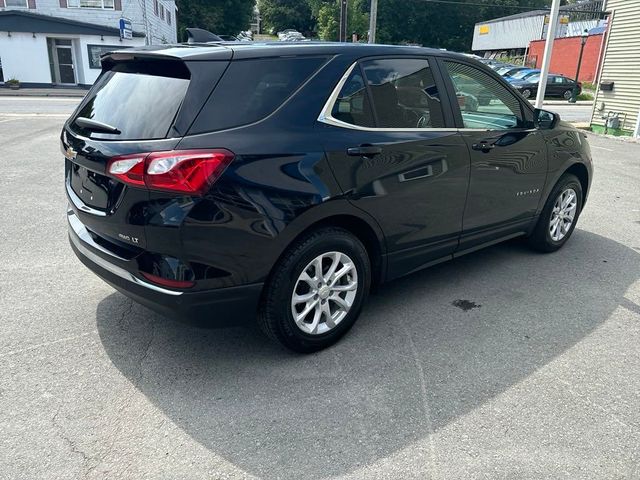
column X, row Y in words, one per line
column 326, row 117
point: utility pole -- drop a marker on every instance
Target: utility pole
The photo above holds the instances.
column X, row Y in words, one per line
column 343, row 21
column 548, row 48
column 373, row 19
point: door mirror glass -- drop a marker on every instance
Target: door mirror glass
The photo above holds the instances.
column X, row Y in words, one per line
column 545, row 120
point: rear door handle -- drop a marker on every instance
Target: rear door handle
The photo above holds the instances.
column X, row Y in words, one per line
column 364, row 151
column 483, row 146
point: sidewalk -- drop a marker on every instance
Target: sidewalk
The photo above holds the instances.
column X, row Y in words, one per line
column 44, row 92
column 563, row 102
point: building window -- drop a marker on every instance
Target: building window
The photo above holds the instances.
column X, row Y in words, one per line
column 16, row 3
column 103, row 4
column 155, row 7
column 168, row 17
column 161, row 12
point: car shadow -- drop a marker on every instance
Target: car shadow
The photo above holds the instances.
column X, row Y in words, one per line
column 427, row 349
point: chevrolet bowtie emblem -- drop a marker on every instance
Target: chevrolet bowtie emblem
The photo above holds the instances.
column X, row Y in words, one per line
column 70, row 153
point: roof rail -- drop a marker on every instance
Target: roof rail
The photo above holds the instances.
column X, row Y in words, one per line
column 198, row 35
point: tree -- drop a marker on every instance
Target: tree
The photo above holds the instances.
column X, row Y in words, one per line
column 441, row 25
column 278, row 15
column 226, row 17
column 327, row 15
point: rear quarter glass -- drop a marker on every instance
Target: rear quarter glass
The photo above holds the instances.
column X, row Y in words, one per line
column 252, row 89
column 141, row 99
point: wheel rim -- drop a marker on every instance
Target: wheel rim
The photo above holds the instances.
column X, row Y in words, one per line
column 563, row 214
column 568, row 94
column 526, row 93
column 324, row 293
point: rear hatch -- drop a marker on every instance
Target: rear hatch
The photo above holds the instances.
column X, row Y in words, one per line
column 142, row 102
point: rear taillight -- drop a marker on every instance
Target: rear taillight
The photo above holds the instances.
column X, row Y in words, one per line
column 184, row 171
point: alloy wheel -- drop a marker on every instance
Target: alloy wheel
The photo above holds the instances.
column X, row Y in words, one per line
column 563, row 214
column 324, row 293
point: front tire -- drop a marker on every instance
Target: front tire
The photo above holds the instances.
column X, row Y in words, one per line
column 526, row 93
column 559, row 215
column 316, row 291
column 567, row 94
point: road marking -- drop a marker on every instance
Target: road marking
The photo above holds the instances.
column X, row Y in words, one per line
column 45, row 344
column 20, row 115
column 40, row 99
column 602, row 148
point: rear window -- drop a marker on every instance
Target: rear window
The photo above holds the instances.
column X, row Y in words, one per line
column 139, row 99
column 250, row 90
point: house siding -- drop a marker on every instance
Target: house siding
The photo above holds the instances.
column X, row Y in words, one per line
column 621, row 65
column 158, row 30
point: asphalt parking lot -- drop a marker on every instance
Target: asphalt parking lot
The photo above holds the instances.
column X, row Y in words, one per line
column 538, row 379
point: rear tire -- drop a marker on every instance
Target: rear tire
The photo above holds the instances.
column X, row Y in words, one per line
column 526, row 93
column 559, row 215
column 333, row 300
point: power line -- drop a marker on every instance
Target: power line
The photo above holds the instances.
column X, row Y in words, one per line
column 452, row 2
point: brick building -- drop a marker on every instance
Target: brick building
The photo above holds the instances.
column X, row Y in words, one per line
column 564, row 59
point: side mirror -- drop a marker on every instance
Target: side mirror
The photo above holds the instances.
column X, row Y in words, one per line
column 545, row 120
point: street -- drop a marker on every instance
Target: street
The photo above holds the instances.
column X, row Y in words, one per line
column 502, row 364
column 577, row 113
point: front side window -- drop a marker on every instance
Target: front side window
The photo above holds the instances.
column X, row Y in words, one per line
column 16, row 3
column 484, row 103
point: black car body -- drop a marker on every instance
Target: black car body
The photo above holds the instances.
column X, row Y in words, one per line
column 385, row 144
column 557, row 86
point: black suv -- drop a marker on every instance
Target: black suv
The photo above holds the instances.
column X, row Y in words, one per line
column 285, row 181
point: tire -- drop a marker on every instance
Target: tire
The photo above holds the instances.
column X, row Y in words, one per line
column 544, row 238
column 276, row 313
column 526, row 93
column 567, row 94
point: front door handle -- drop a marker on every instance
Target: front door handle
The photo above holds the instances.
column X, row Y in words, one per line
column 483, row 146
column 364, row 151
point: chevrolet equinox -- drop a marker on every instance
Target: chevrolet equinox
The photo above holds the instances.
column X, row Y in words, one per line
column 218, row 182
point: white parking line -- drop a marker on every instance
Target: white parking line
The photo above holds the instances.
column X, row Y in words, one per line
column 602, row 148
column 40, row 99
column 21, row 115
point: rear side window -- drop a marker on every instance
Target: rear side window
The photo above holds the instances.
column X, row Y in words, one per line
column 396, row 93
column 404, row 93
column 252, row 89
column 352, row 105
column 141, row 100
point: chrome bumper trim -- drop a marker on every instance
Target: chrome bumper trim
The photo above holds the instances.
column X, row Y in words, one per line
column 82, row 238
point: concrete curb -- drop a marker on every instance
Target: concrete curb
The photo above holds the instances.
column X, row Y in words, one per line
column 621, row 138
column 564, row 102
column 42, row 92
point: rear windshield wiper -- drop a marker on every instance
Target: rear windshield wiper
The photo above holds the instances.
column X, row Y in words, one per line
column 96, row 126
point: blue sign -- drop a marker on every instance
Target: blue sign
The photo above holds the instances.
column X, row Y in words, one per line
column 126, row 30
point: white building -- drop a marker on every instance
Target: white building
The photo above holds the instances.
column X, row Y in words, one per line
column 59, row 42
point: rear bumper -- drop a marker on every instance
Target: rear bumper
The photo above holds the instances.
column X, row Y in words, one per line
column 209, row 308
